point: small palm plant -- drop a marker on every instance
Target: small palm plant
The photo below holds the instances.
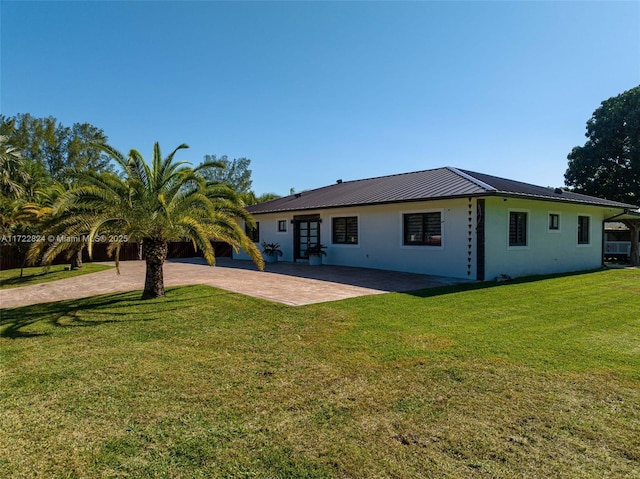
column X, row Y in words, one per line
column 316, row 250
column 271, row 251
column 315, row 253
column 157, row 203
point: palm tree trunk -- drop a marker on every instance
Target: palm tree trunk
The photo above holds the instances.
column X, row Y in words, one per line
column 76, row 259
column 23, row 264
column 155, row 252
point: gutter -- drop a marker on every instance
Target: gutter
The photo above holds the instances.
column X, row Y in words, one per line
column 625, row 212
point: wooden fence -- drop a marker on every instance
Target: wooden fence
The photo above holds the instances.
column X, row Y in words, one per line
column 11, row 257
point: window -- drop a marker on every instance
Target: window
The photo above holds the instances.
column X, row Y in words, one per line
column 517, row 228
column 282, row 226
column 583, row 230
column 345, row 230
column 423, row 229
column 253, row 233
column 554, row 221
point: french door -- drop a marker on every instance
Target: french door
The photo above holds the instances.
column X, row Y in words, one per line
column 306, row 233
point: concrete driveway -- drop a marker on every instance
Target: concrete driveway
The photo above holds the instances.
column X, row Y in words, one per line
column 289, row 283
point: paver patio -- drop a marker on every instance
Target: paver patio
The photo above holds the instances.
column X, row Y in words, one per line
column 289, row 283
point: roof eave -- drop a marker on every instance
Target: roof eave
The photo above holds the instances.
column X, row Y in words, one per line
column 370, row 203
column 564, row 200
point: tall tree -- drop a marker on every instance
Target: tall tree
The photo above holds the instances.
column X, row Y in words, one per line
column 155, row 204
column 234, row 173
column 608, row 164
column 50, row 147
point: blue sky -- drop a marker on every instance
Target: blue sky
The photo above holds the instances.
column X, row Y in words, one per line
column 313, row 92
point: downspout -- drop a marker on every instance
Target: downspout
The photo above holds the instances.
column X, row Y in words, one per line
column 602, row 243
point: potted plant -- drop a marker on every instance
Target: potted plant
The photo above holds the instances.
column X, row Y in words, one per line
column 271, row 252
column 315, row 254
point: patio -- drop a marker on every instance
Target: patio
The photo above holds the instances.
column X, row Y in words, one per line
column 294, row 284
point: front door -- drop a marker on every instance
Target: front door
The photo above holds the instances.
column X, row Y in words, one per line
column 306, row 233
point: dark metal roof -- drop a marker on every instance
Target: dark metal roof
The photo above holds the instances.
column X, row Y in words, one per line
column 517, row 188
column 439, row 183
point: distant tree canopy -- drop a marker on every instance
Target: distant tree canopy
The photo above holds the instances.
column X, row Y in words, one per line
column 235, row 173
column 49, row 148
column 608, row 164
column 250, row 198
column 37, row 156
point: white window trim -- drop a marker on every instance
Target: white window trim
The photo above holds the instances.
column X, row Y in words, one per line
column 258, row 226
column 559, row 230
column 590, row 243
column 422, row 247
column 286, row 226
column 519, row 210
column 344, row 245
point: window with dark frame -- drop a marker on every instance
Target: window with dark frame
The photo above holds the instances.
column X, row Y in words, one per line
column 345, row 230
column 424, row 229
column 517, row 228
column 282, row 226
column 554, row 221
column 583, row 230
column 253, row 233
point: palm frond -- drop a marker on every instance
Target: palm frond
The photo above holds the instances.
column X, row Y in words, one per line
column 164, row 199
column 111, row 152
column 200, row 236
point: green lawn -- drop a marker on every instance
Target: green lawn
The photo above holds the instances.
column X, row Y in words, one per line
column 531, row 379
column 11, row 278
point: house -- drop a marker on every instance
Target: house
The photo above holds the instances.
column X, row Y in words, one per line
column 444, row 221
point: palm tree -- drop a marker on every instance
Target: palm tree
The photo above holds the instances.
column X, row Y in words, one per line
column 14, row 182
column 13, row 176
column 154, row 204
column 40, row 212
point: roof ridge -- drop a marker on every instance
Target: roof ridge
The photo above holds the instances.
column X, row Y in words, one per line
column 520, row 182
column 366, row 179
column 471, row 178
column 392, row 175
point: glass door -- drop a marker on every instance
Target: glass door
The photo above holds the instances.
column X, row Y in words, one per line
column 306, row 234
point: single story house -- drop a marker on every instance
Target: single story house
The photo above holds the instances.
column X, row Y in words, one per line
column 443, row 221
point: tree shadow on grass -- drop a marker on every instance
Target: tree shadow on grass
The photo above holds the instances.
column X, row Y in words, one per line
column 458, row 288
column 39, row 275
column 22, row 281
column 36, row 320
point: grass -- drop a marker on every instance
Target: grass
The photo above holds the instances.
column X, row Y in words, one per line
column 530, row 379
column 10, row 278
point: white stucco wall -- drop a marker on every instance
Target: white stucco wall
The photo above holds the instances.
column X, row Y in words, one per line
column 380, row 231
column 380, row 242
column 547, row 251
